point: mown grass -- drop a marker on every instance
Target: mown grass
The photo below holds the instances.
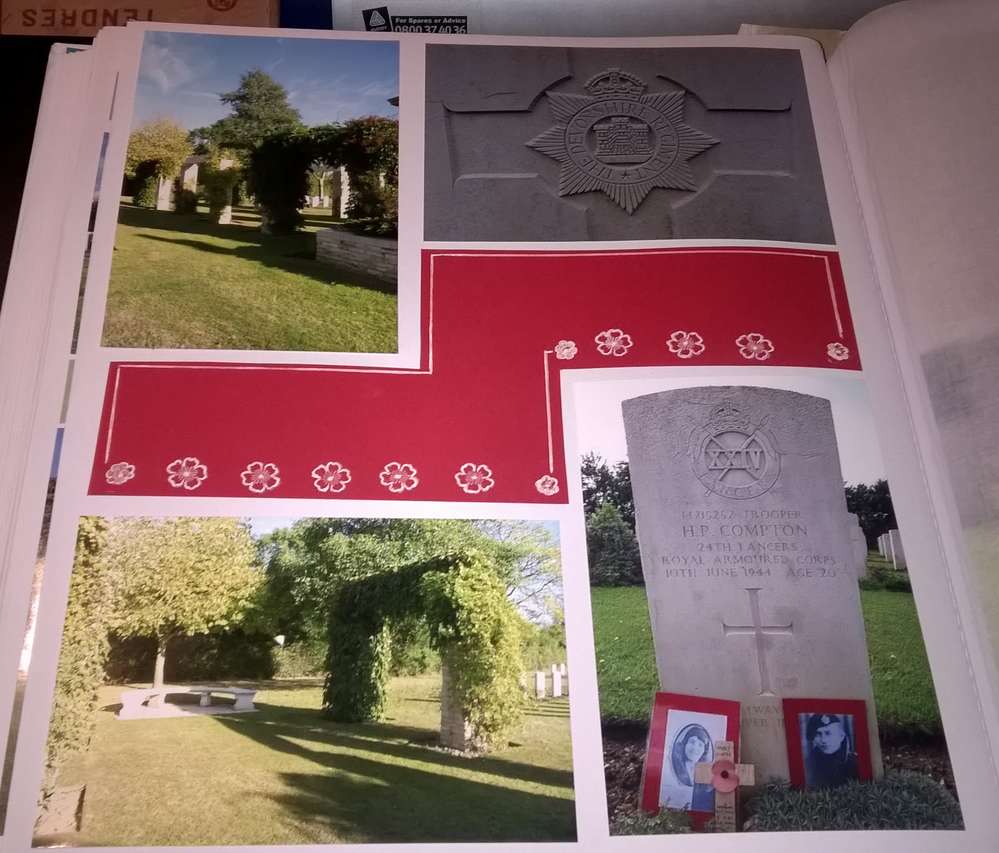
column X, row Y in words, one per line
column 286, row 775
column 181, row 281
column 903, row 687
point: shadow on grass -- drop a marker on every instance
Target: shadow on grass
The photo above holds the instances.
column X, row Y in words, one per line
column 379, row 798
column 292, row 253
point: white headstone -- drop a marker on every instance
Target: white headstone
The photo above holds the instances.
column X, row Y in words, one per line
column 561, row 668
column 746, row 554
column 881, row 544
column 540, row 679
column 859, row 543
column 556, row 683
column 897, row 551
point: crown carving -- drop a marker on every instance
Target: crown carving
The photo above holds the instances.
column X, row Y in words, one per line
column 614, row 81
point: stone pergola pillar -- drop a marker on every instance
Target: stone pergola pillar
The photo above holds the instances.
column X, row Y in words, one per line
column 456, row 731
column 164, row 194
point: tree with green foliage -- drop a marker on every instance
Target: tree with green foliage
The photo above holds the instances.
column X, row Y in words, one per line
column 84, row 652
column 306, row 563
column 873, row 508
column 162, row 143
column 607, row 484
column 260, row 109
column 180, row 577
column 612, row 548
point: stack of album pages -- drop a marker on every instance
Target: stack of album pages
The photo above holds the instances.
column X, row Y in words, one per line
column 460, row 439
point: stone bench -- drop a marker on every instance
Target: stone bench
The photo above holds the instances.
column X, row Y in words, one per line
column 134, row 700
column 242, row 695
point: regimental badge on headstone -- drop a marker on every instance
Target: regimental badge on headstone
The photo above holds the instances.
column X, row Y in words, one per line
column 734, row 457
column 621, row 141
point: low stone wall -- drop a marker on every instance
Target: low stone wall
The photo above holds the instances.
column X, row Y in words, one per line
column 375, row 256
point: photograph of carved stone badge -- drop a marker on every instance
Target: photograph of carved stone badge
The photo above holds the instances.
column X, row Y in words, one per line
column 530, row 143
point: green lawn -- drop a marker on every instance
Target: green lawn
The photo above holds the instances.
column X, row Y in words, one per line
column 626, row 669
column 180, row 281
column 285, row 775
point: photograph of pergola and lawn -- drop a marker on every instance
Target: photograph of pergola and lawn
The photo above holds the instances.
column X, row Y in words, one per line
column 311, row 681
column 259, row 204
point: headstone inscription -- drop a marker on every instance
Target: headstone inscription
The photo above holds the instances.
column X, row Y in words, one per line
column 746, row 554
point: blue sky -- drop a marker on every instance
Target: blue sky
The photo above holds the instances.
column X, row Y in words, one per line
column 181, row 76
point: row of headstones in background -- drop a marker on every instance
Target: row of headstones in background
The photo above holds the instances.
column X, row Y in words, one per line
column 890, row 547
column 749, row 562
column 558, row 677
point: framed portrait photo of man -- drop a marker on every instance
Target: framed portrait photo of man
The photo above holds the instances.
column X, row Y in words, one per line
column 827, row 742
column 682, row 733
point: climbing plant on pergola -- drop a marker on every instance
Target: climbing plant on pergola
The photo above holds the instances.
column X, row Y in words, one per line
column 368, row 148
column 473, row 625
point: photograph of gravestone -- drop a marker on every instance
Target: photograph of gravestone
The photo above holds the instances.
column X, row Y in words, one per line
column 531, row 144
column 724, row 563
column 227, row 681
column 259, row 203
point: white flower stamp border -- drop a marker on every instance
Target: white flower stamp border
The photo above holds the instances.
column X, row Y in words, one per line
column 188, row 473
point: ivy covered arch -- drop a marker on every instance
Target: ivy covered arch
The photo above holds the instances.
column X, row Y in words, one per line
column 472, row 624
column 368, row 148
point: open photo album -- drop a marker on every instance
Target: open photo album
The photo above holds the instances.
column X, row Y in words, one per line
column 417, row 439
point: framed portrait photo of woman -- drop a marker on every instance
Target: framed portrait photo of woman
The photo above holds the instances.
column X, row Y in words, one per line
column 682, row 733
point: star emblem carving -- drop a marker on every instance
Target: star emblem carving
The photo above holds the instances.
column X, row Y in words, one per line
column 620, row 141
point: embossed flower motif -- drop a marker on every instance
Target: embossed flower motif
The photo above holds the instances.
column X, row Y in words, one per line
column 119, row 473
column 547, row 485
column 838, row 351
column 330, row 477
column 613, row 342
column 187, row 473
column 566, row 350
column 685, row 344
column 724, row 779
column 474, row 479
column 754, row 345
column 261, row 477
column 399, row 477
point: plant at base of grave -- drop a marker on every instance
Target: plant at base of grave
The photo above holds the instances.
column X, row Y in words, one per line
column 667, row 822
column 85, row 646
column 901, row 800
column 478, row 632
column 180, row 577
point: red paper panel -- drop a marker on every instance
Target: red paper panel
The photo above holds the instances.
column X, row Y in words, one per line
column 488, row 385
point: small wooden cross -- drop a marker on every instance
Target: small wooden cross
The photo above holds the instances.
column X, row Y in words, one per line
column 726, row 777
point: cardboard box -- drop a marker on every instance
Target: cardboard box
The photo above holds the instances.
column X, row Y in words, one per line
column 86, row 17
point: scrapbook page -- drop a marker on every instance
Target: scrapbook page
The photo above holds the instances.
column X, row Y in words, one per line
column 474, row 441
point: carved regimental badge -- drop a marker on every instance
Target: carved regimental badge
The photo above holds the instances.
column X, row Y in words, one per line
column 733, row 457
column 620, row 141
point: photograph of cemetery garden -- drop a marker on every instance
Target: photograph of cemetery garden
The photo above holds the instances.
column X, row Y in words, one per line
column 259, row 204
column 311, row 681
column 917, row 790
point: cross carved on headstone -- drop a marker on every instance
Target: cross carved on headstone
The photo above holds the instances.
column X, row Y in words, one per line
column 759, row 631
